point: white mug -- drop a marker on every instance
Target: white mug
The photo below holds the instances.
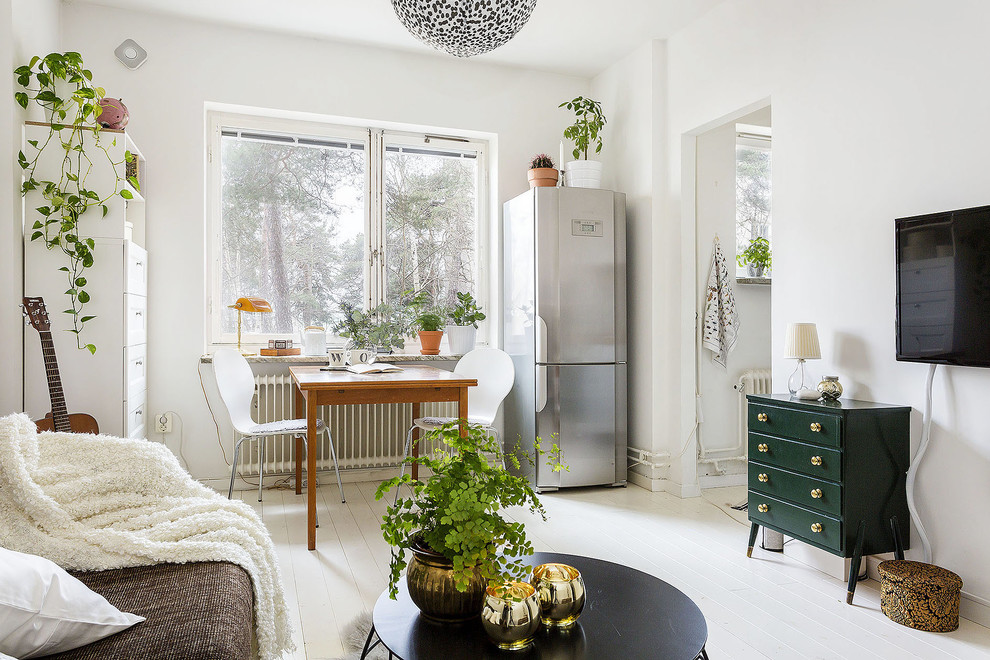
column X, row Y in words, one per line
column 363, row 356
column 338, row 357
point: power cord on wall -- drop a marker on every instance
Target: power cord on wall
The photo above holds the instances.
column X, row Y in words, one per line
column 912, row 472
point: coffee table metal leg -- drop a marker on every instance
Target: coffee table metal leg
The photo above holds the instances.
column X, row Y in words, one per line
column 368, row 646
column 704, row 654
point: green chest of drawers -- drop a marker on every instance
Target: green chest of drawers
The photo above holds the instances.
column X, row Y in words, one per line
column 831, row 474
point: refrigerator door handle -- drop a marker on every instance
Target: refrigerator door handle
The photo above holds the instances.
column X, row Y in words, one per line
column 541, row 340
column 541, row 388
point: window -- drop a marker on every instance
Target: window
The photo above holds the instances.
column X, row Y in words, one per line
column 309, row 216
column 753, row 194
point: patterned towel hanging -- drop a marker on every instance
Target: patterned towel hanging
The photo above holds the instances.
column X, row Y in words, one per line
column 721, row 319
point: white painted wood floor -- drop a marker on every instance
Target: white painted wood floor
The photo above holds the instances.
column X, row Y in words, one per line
column 769, row 606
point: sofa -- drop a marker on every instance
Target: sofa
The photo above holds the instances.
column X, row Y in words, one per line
column 195, row 611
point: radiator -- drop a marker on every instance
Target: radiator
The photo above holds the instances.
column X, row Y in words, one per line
column 753, row 381
column 365, row 436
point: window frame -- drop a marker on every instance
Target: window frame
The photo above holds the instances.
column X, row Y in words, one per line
column 374, row 140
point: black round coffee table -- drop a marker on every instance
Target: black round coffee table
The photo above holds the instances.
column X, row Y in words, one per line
column 628, row 614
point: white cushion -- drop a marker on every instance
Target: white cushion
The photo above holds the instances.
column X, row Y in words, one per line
column 283, row 426
column 44, row 610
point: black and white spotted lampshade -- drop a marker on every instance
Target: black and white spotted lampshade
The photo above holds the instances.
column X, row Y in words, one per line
column 464, row 27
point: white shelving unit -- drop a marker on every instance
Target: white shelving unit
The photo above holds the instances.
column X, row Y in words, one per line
column 112, row 384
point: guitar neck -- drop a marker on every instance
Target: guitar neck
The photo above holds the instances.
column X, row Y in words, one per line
column 60, row 414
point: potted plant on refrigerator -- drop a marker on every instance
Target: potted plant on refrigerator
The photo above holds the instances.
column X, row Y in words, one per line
column 542, row 173
column 463, row 331
column 584, row 132
column 454, row 525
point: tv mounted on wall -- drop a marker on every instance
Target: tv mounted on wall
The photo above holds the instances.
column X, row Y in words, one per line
column 943, row 287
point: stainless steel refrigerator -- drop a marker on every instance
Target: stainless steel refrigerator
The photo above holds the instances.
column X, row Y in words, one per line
column 564, row 324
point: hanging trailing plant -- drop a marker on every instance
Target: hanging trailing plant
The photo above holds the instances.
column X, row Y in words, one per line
column 62, row 86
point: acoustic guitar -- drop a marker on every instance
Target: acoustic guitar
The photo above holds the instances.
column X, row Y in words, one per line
column 59, row 418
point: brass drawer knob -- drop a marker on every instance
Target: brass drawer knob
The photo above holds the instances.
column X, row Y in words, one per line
column 762, row 417
column 763, row 447
column 763, row 508
column 816, row 460
column 817, row 493
column 816, row 528
column 763, row 478
column 816, row 427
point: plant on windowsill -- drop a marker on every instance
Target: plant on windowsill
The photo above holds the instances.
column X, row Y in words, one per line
column 589, row 120
column 429, row 320
column 542, row 173
column 382, row 328
column 71, row 103
column 756, row 258
column 463, row 331
column 453, row 525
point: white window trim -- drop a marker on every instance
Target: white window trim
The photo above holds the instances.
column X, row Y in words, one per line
column 374, row 139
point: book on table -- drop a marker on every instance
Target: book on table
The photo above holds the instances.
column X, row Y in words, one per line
column 373, row 368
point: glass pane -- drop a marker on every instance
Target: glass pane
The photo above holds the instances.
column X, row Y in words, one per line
column 431, row 222
column 292, row 232
column 753, row 193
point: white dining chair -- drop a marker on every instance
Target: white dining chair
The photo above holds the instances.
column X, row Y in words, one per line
column 495, row 374
column 235, row 381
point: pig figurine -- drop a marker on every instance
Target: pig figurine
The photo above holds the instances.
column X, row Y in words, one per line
column 114, row 114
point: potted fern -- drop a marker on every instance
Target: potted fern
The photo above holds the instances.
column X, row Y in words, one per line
column 584, row 132
column 453, row 524
column 542, row 173
column 462, row 332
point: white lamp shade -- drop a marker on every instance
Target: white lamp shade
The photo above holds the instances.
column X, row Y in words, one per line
column 802, row 342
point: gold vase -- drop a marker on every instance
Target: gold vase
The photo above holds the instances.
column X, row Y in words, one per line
column 430, row 579
column 511, row 615
column 830, row 388
column 561, row 591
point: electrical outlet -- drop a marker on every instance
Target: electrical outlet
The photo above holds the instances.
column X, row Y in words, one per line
column 163, row 423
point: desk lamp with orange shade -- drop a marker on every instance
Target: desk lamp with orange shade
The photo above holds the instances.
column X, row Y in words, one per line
column 248, row 304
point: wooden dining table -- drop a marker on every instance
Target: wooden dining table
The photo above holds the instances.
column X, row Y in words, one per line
column 316, row 387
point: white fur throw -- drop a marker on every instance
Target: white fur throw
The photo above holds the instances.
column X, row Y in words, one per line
column 99, row 502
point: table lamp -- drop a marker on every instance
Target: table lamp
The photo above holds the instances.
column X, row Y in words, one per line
column 248, row 304
column 801, row 343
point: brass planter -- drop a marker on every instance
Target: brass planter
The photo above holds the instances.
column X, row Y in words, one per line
column 561, row 591
column 430, row 579
column 511, row 615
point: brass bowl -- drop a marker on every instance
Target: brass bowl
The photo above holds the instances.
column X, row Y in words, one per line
column 561, row 591
column 511, row 615
column 430, row 579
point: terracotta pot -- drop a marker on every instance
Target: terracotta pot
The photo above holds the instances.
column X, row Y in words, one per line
column 430, row 579
column 543, row 177
column 430, row 341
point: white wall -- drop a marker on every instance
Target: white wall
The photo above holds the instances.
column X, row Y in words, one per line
column 715, row 214
column 879, row 111
column 625, row 91
column 190, row 64
column 27, row 28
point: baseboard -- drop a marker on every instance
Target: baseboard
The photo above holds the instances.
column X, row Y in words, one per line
column 722, row 480
column 326, row 477
column 643, row 481
column 683, row 490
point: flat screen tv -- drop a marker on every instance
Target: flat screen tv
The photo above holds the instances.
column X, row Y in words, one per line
column 943, row 287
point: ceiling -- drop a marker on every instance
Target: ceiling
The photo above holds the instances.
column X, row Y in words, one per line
column 579, row 37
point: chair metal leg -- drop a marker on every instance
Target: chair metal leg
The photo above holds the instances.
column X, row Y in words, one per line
column 233, row 468
column 261, row 466
column 333, row 454
column 406, row 448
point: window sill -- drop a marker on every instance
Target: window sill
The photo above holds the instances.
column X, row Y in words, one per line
column 753, row 280
column 312, row 359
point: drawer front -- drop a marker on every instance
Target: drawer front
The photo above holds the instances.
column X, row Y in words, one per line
column 135, row 370
column 812, row 460
column 136, row 315
column 809, row 426
column 811, row 526
column 136, row 259
column 137, row 417
column 818, row 494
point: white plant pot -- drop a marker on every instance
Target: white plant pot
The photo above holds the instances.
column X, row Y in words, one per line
column 583, row 174
column 461, row 338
